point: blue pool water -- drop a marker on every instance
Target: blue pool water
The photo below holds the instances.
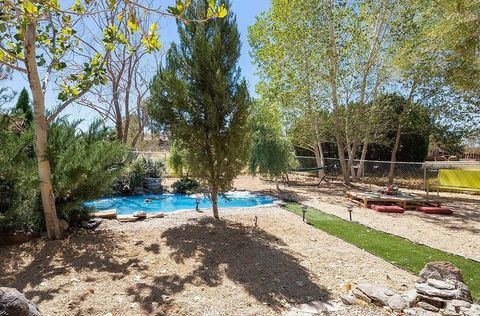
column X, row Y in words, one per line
column 168, row 203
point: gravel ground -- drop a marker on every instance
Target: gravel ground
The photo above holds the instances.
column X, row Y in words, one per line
column 459, row 233
column 189, row 264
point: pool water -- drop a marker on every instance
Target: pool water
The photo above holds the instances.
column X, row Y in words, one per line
column 167, row 203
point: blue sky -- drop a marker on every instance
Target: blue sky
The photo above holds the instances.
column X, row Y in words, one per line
column 246, row 10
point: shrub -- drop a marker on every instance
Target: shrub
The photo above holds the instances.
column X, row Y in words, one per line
column 135, row 172
column 185, row 185
column 84, row 166
column 154, row 168
column 176, row 161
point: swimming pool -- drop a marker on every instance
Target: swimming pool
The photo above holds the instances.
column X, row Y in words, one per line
column 168, row 203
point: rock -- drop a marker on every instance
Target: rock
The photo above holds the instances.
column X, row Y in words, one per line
column 441, row 270
column 106, row 214
column 14, row 303
column 378, row 294
column 441, row 284
column 313, row 308
column 91, row 223
column 459, row 303
column 417, row 311
column 474, row 310
column 427, row 306
column 63, row 224
column 410, row 297
column 360, row 295
column 450, row 310
column 140, row 214
column 155, row 215
column 432, row 300
column 397, row 303
column 127, row 218
column 349, row 299
column 428, row 290
column 410, row 312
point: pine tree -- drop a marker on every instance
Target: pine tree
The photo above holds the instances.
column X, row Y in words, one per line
column 23, row 107
column 199, row 97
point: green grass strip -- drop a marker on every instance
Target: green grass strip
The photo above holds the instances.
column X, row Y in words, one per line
column 396, row 250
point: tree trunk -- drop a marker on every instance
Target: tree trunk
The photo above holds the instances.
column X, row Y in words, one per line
column 361, row 167
column 393, row 158
column 343, row 164
column 215, row 201
column 320, row 159
column 46, row 189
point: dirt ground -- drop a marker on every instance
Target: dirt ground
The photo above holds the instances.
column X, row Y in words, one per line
column 189, row 264
column 458, row 233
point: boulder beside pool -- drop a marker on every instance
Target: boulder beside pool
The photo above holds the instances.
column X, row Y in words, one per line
column 127, row 218
column 106, row 214
column 140, row 214
column 156, row 215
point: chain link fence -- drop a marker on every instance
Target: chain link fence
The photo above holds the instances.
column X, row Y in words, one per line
column 412, row 175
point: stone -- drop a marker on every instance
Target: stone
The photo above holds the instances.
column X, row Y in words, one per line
column 14, row 303
column 441, row 270
column 435, row 301
column 106, row 214
column 378, row 294
column 155, row 215
column 91, row 223
column 299, row 283
column 63, row 224
column 410, row 312
column 459, row 303
column 410, row 297
column 450, row 310
column 427, row 306
column 397, row 303
column 349, row 299
column 439, row 284
column 140, row 214
column 474, row 310
column 127, row 218
column 428, row 290
column 360, row 295
column 313, row 308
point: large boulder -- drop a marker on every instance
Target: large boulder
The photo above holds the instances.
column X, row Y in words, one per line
column 441, row 270
column 14, row 303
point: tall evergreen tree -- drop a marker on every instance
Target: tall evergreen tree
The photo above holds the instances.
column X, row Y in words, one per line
column 199, row 97
column 23, row 107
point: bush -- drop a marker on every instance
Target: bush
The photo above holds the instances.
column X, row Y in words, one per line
column 135, row 172
column 176, row 161
column 84, row 166
column 185, row 185
column 154, row 168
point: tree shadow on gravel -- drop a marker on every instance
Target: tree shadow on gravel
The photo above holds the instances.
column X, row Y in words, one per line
column 91, row 251
column 251, row 258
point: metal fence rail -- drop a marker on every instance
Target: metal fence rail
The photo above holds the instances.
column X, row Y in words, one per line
column 406, row 174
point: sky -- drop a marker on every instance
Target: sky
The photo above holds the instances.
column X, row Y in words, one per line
column 246, row 11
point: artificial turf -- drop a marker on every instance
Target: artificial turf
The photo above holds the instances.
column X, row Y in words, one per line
column 396, row 250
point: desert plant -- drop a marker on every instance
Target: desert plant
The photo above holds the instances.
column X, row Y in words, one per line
column 185, row 185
